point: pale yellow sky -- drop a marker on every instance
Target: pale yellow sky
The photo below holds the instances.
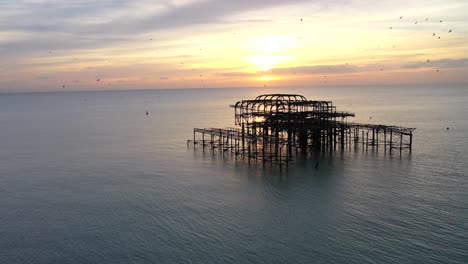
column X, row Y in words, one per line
column 46, row 45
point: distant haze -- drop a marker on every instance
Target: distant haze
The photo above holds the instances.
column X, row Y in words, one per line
column 107, row 45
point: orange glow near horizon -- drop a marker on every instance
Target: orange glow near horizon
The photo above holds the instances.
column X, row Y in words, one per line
column 267, row 78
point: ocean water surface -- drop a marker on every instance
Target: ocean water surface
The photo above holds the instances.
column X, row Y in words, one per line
column 87, row 177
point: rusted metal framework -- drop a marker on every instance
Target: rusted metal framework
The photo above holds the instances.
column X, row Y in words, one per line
column 274, row 128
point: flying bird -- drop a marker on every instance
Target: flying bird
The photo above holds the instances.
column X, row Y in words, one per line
column 390, row 27
column 427, row 19
column 301, row 19
column 433, row 34
column 98, row 80
column 438, row 37
column 440, row 21
column 415, row 22
column 427, row 60
column 63, row 86
column 450, row 31
column 401, row 17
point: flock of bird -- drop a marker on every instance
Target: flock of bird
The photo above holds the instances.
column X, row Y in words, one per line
column 438, row 37
column 427, row 19
column 401, row 18
column 325, row 77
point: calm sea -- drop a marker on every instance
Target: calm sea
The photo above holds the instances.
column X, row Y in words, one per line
column 87, row 177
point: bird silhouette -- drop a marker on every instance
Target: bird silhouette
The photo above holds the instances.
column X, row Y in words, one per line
column 98, row 80
column 450, row 31
column 433, row 34
column 401, row 17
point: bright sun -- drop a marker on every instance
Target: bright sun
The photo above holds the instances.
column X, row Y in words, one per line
column 271, row 44
column 265, row 62
column 269, row 51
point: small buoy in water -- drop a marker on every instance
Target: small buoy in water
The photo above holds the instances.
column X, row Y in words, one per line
column 448, row 128
column 146, row 112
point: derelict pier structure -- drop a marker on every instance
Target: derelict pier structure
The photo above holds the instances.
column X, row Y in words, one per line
column 275, row 128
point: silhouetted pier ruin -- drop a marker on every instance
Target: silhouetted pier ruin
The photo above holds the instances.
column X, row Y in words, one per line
column 275, row 128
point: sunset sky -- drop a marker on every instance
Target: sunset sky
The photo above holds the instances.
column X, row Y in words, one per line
column 56, row 45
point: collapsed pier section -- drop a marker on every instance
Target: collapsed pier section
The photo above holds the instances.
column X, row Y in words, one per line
column 274, row 128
